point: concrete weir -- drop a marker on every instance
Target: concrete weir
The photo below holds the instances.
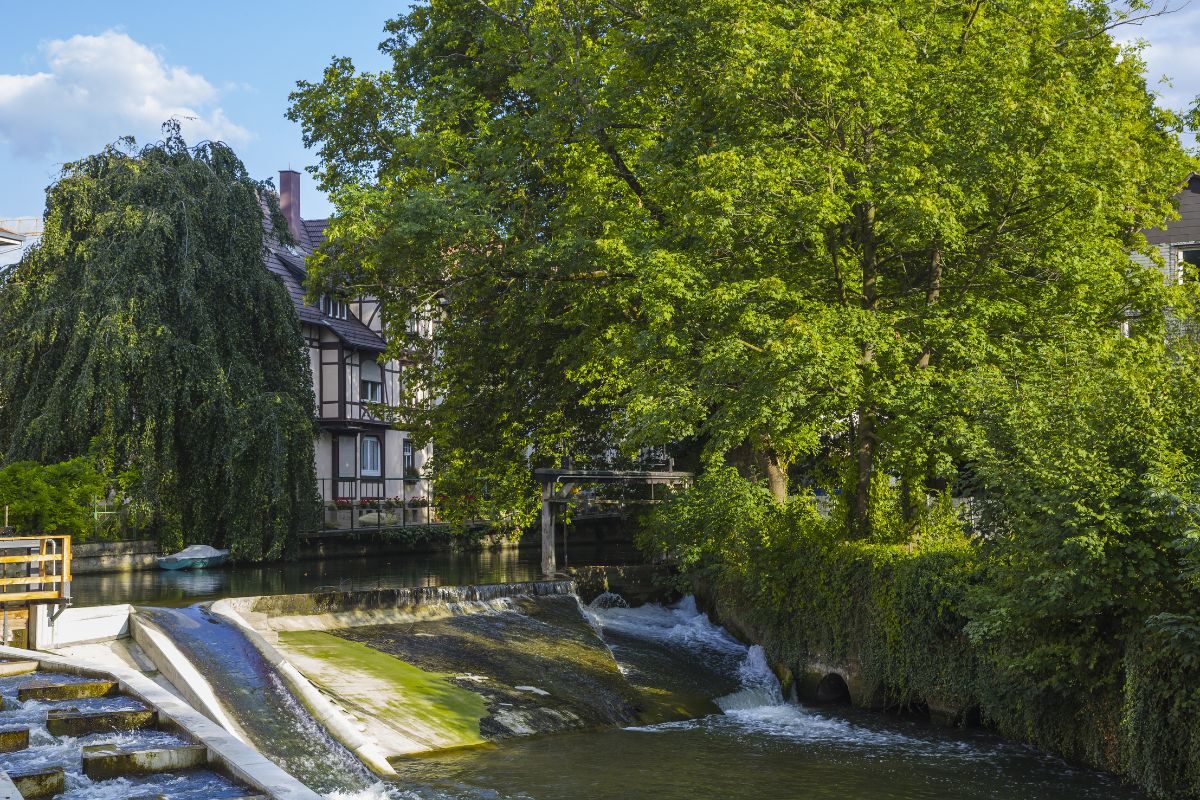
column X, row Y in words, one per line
column 38, row 784
column 110, row 761
column 397, row 672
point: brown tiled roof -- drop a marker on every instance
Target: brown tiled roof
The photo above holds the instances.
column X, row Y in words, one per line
column 288, row 264
column 314, row 229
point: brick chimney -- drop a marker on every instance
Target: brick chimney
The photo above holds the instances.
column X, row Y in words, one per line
column 289, row 199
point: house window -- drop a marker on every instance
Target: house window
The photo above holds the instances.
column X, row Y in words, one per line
column 371, row 460
column 410, row 464
column 332, row 307
column 371, row 391
column 1189, row 264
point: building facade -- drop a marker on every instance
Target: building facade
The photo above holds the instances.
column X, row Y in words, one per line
column 17, row 235
column 361, row 459
column 1179, row 242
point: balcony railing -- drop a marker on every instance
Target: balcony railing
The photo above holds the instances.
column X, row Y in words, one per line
column 360, row 504
column 370, row 490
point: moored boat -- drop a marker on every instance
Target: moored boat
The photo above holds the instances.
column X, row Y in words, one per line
column 198, row 556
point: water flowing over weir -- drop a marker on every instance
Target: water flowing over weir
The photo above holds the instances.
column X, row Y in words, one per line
column 748, row 744
column 648, row 702
column 252, row 693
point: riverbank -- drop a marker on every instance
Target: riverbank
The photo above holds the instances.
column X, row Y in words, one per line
column 883, row 628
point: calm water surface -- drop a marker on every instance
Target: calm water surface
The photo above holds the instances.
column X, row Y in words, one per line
column 184, row 587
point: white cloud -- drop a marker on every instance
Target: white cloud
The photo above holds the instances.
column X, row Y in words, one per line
column 97, row 88
column 1170, row 51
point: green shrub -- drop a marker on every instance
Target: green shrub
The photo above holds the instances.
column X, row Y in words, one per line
column 54, row 498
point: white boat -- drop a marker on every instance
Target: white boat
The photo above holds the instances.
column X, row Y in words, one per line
column 198, row 556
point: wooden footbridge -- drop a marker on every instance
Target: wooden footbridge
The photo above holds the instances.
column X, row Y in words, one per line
column 557, row 487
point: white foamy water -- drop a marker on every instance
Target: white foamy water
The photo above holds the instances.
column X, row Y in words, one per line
column 757, row 707
column 760, row 688
column 682, row 624
column 379, row 791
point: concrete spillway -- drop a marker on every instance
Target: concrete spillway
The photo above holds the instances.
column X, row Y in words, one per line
column 254, row 697
column 423, row 669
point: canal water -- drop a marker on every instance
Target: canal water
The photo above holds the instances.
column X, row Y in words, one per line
column 181, row 588
column 746, row 742
column 753, row 745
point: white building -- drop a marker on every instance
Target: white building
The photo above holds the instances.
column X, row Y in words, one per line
column 17, row 235
column 360, row 457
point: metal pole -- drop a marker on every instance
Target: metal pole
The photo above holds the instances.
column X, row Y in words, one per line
column 548, row 566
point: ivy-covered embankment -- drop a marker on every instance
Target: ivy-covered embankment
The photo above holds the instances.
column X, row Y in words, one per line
column 927, row 624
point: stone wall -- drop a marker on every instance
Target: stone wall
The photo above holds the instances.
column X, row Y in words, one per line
column 113, row 556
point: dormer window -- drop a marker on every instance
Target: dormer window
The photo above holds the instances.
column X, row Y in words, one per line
column 332, row 307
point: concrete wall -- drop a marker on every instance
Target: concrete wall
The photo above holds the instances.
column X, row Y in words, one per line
column 113, row 556
column 77, row 626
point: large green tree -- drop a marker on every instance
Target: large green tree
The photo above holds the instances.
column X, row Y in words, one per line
column 779, row 229
column 145, row 332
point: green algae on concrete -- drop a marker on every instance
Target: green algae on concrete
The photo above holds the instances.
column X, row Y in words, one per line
column 70, row 722
column 101, row 761
column 14, row 739
column 40, row 783
column 50, row 690
column 424, row 710
column 539, row 664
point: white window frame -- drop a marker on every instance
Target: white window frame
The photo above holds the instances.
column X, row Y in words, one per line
column 365, row 387
column 410, row 457
column 332, row 307
column 371, row 457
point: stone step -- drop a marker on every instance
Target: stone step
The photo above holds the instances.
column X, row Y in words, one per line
column 49, row 690
column 13, row 739
column 168, row 797
column 38, row 784
column 102, row 761
column 8, row 789
column 10, row 668
column 72, row 722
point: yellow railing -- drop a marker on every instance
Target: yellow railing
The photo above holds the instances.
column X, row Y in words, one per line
column 37, row 567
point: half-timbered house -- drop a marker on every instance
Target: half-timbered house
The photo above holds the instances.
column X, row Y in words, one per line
column 361, row 457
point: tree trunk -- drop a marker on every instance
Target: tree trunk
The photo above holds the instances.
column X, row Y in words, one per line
column 864, row 448
column 760, row 463
column 864, row 444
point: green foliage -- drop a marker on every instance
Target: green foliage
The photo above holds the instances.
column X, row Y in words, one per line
column 1086, row 484
column 734, row 222
column 894, row 609
column 1068, row 618
column 56, row 498
column 145, row 333
column 1162, row 703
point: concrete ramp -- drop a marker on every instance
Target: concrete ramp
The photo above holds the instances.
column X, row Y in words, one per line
column 394, row 673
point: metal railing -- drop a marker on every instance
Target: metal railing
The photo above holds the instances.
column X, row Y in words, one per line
column 407, row 491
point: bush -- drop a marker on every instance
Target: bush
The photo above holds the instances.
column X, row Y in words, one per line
column 55, row 498
column 895, row 609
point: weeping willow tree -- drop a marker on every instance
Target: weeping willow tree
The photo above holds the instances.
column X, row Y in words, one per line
column 145, row 333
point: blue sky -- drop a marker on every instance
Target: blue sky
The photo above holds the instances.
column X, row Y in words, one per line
column 77, row 74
